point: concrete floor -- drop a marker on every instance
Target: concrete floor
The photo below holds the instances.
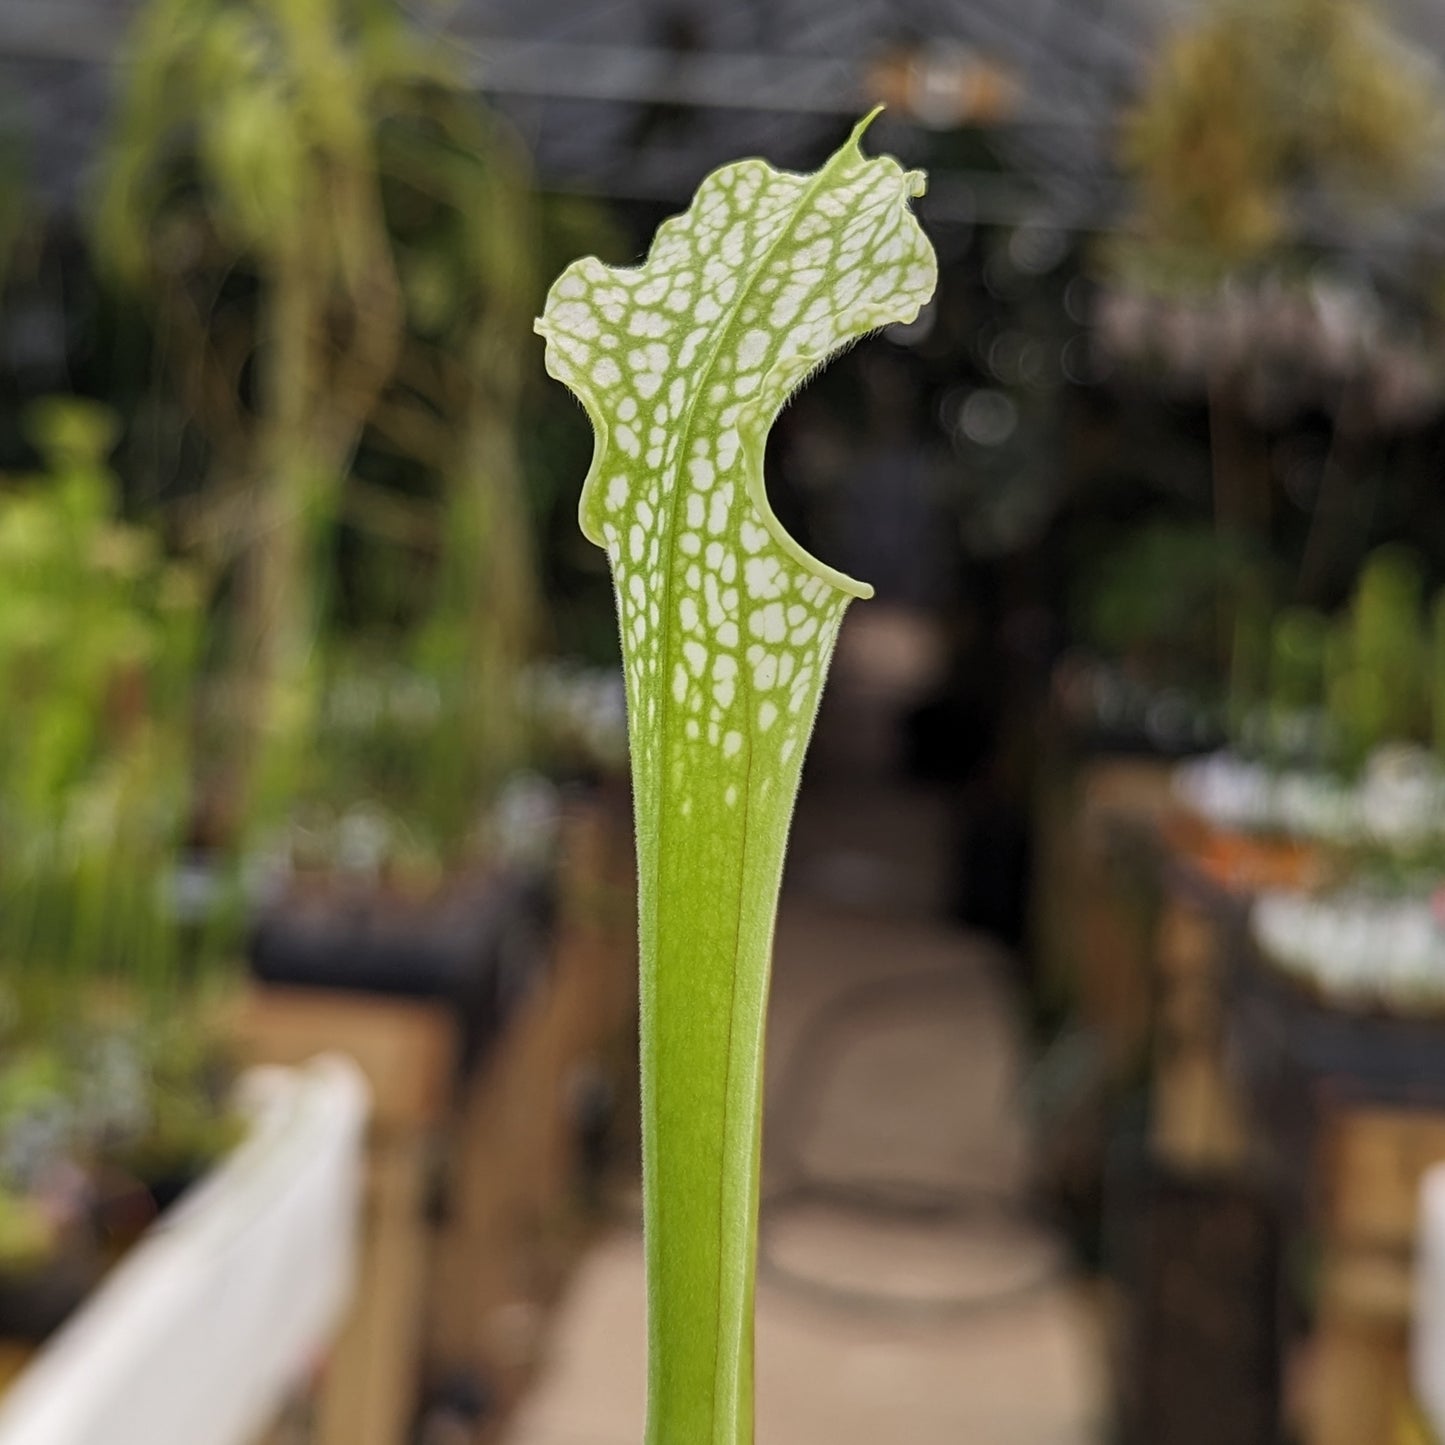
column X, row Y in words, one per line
column 918, row 1078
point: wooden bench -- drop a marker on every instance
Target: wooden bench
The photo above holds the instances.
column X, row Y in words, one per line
column 407, row 1050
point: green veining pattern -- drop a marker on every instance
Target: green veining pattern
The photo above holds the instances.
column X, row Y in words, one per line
column 727, row 629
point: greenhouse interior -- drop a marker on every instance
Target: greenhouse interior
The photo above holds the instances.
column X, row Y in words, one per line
column 722, row 720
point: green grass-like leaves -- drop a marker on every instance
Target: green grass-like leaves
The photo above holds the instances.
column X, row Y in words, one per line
column 727, row 626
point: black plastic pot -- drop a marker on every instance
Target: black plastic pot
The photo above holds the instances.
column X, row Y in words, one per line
column 478, row 946
column 36, row 1301
column 1296, row 1055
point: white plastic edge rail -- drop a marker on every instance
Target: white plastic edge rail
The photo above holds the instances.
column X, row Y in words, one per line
column 202, row 1331
column 1427, row 1344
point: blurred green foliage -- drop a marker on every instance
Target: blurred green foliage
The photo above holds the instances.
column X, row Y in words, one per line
column 99, row 636
column 1156, row 597
column 338, row 243
column 1337, row 688
column 1256, row 106
column 1377, row 659
column 1299, row 652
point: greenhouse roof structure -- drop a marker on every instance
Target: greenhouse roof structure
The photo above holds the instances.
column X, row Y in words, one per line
column 635, row 99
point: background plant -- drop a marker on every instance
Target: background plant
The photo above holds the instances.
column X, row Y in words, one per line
column 105, row 984
column 1274, row 147
column 1255, row 113
column 335, row 244
column 99, row 633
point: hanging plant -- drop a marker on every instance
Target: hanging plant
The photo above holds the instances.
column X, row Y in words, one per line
column 1256, row 111
column 333, row 240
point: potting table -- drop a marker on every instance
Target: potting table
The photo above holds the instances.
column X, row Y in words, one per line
column 407, row 1051
column 514, row 1221
column 1264, row 1105
column 464, row 1297
column 1337, row 1117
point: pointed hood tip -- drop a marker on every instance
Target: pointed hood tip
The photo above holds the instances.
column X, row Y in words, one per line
column 861, row 128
